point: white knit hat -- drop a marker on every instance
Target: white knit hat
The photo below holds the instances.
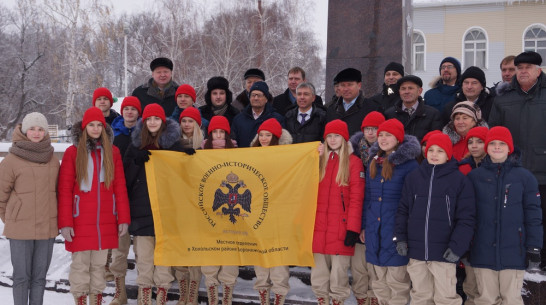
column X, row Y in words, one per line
column 34, row 119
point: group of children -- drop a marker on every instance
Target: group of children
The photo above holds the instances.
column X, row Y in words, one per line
column 400, row 226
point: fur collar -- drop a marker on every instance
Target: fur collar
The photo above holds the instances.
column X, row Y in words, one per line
column 286, row 138
column 449, row 130
column 168, row 137
column 408, row 150
column 505, row 87
column 77, row 132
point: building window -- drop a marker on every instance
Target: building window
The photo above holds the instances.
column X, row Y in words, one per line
column 475, row 49
column 418, row 41
column 534, row 39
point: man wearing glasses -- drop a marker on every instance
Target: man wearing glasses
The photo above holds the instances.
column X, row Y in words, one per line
column 245, row 124
column 444, row 90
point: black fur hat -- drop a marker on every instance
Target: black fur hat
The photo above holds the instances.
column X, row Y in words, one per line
column 161, row 62
column 348, row 75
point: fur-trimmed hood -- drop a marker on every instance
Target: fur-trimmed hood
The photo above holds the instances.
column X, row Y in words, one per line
column 286, row 138
column 77, row 132
column 449, row 130
column 168, row 137
column 408, row 150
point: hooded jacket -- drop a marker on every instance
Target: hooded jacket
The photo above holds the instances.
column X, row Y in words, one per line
column 361, row 147
column 523, row 114
column 245, row 127
column 508, row 214
column 440, row 94
column 122, row 134
column 339, row 208
column 286, row 138
column 437, row 211
column 423, row 120
column 381, row 201
column 93, row 215
column 311, row 130
column 28, row 194
column 148, row 93
column 142, row 221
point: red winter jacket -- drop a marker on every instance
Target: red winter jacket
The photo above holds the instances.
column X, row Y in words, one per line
column 338, row 208
column 94, row 215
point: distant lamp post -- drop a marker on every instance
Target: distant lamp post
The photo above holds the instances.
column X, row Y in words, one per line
column 126, row 32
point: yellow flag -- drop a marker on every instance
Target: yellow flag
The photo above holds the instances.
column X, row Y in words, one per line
column 244, row 206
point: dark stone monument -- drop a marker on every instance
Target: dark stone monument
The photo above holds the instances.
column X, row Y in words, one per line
column 367, row 35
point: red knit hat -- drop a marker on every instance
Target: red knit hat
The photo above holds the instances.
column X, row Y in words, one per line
column 441, row 140
column 394, row 127
column 186, row 89
column 502, row 134
column 273, row 126
column 92, row 114
column 132, row 101
column 191, row 112
column 219, row 122
column 427, row 136
column 373, row 119
column 479, row 132
column 338, row 127
column 102, row 92
column 154, row 110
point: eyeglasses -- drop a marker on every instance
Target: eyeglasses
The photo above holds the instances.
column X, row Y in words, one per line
column 259, row 95
column 370, row 129
column 447, row 67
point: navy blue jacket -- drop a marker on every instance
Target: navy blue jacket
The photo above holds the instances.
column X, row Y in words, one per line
column 440, row 95
column 381, row 203
column 437, row 211
column 508, row 214
column 245, row 127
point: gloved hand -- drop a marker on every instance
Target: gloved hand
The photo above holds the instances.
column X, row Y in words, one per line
column 67, row 233
column 402, row 248
column 351, row 238
column 142, row 156
column 533, row 259
column 122, row 229
column 189, row 151
column 450, row 256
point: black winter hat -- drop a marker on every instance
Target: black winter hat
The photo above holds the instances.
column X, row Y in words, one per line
column 255, row 72
column 528, row 57
column 454, row 61
column 394, row 66
column 161, row 62
column 260, row 86
column 410, row 78
column 218, row 82
column 474, row 72
column 348, row 75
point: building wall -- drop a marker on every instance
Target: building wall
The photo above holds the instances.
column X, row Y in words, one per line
column 445, row 26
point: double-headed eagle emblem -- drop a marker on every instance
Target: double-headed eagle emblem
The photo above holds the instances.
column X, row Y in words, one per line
column 232, row 198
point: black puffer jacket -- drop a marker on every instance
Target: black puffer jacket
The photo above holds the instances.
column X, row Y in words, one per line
column 311, row 130
column 142, row 221
column 425, row 119
column 524, row 115
column 387, row 98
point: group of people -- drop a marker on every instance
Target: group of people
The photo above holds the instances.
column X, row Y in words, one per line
column 409, row 187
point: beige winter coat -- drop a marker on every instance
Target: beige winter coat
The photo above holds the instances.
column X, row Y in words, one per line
column 28, row 198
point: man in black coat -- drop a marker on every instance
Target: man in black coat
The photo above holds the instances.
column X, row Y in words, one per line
column 389, row 95
column 287, row 100
column 418, row 118
column 306, row 121
column 160, row 88
column 351, row 107
column 473, row 89
column 250, row 77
